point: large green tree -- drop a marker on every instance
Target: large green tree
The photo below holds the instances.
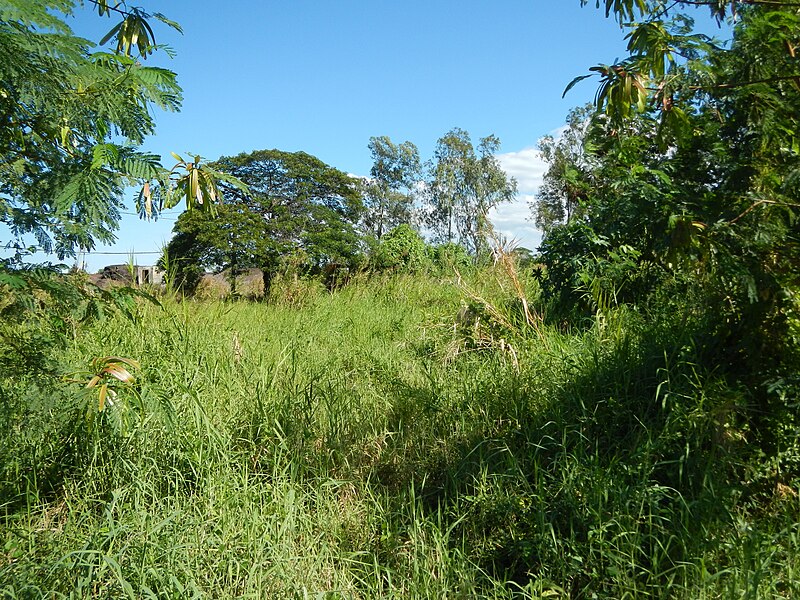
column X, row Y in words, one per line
column 464, row 186
column 233, row 239
column 674, row 69
column 695, row 177
column 61, row 104
column 296, row 204
column 390, row 193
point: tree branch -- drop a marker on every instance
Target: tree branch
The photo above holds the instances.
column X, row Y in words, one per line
column 760, row 202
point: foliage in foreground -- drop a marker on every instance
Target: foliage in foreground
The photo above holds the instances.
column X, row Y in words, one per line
column 397, row 439
column 682, row 196
column 403, row 438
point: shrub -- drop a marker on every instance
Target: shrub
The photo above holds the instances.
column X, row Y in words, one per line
column 447, row 257
column 402, row 249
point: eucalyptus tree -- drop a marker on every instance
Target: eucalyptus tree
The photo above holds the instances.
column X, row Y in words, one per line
column 390, row 193
column 464, row 186
column 566, row 183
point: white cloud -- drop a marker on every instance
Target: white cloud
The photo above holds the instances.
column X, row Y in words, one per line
column 526, row 166
column 511, row 220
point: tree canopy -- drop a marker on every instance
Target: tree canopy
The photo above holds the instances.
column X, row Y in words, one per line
column 690, row 173
column 673, row 69
column 296, row 204
column 74, row 116
column 61, row 104
column 390, row 193
column 464, row 186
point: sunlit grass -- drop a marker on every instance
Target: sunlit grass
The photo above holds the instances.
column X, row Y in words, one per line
column 333, row 446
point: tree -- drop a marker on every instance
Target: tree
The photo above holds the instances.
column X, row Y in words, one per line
column 694, row 165
column 304, row 202
column 60, row 177
column 464, row 186
column 64, row 107
column 693, row 218
column 232, row 239
column 295, row 203
column 389, row 194
column 566, row 183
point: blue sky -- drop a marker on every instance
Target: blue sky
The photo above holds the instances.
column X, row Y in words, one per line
column 323, row 77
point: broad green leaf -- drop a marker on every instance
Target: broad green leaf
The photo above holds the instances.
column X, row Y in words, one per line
column 573, row 83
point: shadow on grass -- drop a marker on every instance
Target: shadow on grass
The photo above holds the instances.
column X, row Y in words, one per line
column 619, row 475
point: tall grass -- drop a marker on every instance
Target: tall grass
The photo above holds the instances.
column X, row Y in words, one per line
column 334, row 446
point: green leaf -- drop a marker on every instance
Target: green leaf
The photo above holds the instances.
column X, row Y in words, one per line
column 573, row 83
column 104, row 155
column 168, row 22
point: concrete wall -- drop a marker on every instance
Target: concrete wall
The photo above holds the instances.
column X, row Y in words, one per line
column 149, row 275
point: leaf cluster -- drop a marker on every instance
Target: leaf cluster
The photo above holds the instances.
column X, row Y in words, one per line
column 41, row 308
column 402, row 250
column 701, row 198
column 63, row 106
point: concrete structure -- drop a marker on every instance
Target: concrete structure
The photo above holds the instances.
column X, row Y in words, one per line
column 124, row 275
column 149, row 275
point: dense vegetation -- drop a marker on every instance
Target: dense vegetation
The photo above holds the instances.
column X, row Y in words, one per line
column 399, row 438
column 615, row 416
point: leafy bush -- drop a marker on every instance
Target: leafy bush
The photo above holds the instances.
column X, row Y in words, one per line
column 447, row 257
column 402, row 249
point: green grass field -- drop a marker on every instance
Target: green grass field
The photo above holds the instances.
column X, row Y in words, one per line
column 390, row 440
